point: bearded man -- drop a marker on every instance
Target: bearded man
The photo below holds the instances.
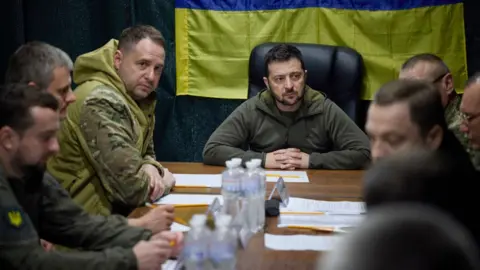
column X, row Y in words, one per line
column 289, row 125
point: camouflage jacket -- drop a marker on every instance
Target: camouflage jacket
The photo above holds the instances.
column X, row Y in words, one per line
column 102, row 149
column 42, row 209
column 106, row 139
column 454, row 119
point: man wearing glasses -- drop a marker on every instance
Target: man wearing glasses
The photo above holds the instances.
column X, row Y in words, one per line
column 431, row 68
column 470, row 108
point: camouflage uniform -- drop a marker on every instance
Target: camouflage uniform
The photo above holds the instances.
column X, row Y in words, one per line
column 454, row 119
column 105, row 140
column 37, row 208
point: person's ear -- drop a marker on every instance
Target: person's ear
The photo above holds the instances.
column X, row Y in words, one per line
column 448, row 83
column 265, row 81
column 8, row 138
column 117, row 59
column 435, row 137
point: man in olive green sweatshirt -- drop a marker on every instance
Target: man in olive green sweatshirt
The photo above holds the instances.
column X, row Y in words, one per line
column 289, row 125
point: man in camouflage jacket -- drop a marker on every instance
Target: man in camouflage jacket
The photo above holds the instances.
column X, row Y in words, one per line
column 106, row 160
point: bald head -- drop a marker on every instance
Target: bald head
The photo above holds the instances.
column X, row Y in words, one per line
column 431, row 68
column 405, row 236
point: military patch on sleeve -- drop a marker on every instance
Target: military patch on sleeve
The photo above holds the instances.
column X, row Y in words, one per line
column 15, row 217
column 15, row 226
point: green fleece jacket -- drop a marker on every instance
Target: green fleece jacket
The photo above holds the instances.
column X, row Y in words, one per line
column 105, row 140
column 319, row 128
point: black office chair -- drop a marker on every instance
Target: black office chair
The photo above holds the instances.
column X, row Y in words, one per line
column 336, row 71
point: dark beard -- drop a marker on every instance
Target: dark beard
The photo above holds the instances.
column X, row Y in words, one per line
column 32, row 174
column 282, row 100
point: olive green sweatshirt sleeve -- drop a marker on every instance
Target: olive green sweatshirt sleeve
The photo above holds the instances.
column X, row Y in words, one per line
column 230, row 139
column 60, row 219
column 351, row 147
column 64, row 222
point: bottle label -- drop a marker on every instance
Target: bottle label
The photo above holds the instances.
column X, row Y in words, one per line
column 230, row 185
column 194, row 253
column 222, row 252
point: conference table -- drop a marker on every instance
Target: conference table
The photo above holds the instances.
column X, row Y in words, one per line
column 323, row 185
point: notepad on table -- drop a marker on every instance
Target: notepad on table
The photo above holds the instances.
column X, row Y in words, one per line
column 286, row 220
column 189, row 199
column 333, row 207
column 177, row 227
column 288, row 176
column 198, row 180
column 169, row 265
column 301, row 242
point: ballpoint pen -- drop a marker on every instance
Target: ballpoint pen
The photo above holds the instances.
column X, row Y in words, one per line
column 333, row 229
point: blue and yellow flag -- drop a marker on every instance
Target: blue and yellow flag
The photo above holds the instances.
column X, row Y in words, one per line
column 214, row 37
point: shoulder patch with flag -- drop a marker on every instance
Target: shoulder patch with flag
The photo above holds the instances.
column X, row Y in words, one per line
column 15, row 225
column 14, row 217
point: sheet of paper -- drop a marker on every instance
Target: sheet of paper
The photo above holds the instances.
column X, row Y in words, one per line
column 301, row 242
column 288, row 176
column 189, row 199
column 308, row 205
column 177, row 227
column 320, row 220
column 169, row 265
column 196, row 180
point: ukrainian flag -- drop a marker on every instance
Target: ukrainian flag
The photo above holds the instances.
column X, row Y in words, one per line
column 214, row 37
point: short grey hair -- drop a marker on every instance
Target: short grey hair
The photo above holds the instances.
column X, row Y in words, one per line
column 475, row 78
column 35, row 62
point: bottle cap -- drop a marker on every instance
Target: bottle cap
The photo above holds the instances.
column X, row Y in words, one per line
column 230, row 164
column 223, row 220
column 237, row 161
column 198, row 220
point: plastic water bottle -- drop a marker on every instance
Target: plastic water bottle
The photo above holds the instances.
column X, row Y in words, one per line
column 231, row 187
column 261, row 176
column 250, row 191
column 223, row 244
column 195, row 252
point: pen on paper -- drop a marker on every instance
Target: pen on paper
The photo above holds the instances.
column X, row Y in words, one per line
column 284, row 176
column 317, row 228
column 303, row 213
column 180, row 221
column 314, row 228
column 190, row 186
column 182, row 205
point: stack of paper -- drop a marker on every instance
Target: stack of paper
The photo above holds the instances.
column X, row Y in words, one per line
column 307, row 205
column 177, row 227
column 300, row 242
column 198, row 180
column 215, row 180
column 169, row 265
column 286, row 220
column 192, row 199
column 288, row 176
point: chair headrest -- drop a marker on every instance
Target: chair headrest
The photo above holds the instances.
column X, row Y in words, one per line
column 336, row 71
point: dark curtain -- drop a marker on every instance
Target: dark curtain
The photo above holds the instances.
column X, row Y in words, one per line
column 183, row 123
column 78, row 26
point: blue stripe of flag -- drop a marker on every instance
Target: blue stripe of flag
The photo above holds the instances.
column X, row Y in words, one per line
column 251, row 5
